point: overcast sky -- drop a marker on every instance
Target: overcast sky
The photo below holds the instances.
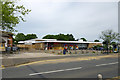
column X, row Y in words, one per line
column 82, row 19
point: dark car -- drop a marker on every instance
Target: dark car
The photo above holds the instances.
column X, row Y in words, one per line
column 14, row 48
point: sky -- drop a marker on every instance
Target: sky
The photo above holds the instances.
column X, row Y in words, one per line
column 82, row 19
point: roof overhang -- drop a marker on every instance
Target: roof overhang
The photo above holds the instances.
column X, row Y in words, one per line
column 55, row 41
column 67, row 42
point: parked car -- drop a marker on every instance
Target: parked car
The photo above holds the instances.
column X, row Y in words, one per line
column 14, row 48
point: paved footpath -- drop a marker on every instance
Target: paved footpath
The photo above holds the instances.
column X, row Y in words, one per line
column 31, row 58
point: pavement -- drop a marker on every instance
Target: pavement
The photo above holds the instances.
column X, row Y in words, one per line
column 31, row 58
column 28, row 55
column 15, row 59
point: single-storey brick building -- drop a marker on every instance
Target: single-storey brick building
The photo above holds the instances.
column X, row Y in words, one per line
column 53, row 44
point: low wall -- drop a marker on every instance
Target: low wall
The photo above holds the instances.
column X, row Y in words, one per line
column 59, row 51
column 70, row 51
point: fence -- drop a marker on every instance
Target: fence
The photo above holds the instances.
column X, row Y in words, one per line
column 30, row 50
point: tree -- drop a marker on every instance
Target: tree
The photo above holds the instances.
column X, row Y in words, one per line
column 108, row 36
column 68, row 37
column 61, row 37
column 19, row 37
column 96, row 40
column 113, row 43
column 12, row 14
column 49, row 37
column 83, row 39
column 30, row 36
column 22, row 37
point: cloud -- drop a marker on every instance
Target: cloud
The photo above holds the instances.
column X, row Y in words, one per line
column 82, row 19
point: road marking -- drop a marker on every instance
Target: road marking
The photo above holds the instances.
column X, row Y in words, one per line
column 114, row 78
column 107, row 64
column 64, row 60
column 29, row 63
column 2, row 68
column 55, row 71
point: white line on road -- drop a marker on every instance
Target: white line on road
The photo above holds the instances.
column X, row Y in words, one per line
column 107, row 64
column 55, row 71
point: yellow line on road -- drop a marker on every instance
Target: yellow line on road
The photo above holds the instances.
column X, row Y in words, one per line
column 2, row 67
column 63, row 60
column 29, row 63
column 51, row 60
column 114, row 78
column 38, row 62
column 67, row 60
column 118, row 77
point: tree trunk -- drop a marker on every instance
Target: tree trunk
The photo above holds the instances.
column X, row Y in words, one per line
column 107, row 48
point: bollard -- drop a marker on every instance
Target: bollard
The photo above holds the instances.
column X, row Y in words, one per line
column 99, row 77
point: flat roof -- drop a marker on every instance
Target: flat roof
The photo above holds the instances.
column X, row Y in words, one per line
column 36, row 40
column 53, row 41
column 67, row 42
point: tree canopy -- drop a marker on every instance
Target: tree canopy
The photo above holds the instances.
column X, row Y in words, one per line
column 30, row 36
column 22, row 37
column 96, row 40
column 68, row 37
column 11, row 15
column 83, row 39
column 108, row 36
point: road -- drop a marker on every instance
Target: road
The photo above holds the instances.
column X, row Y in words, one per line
column 108, row 67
